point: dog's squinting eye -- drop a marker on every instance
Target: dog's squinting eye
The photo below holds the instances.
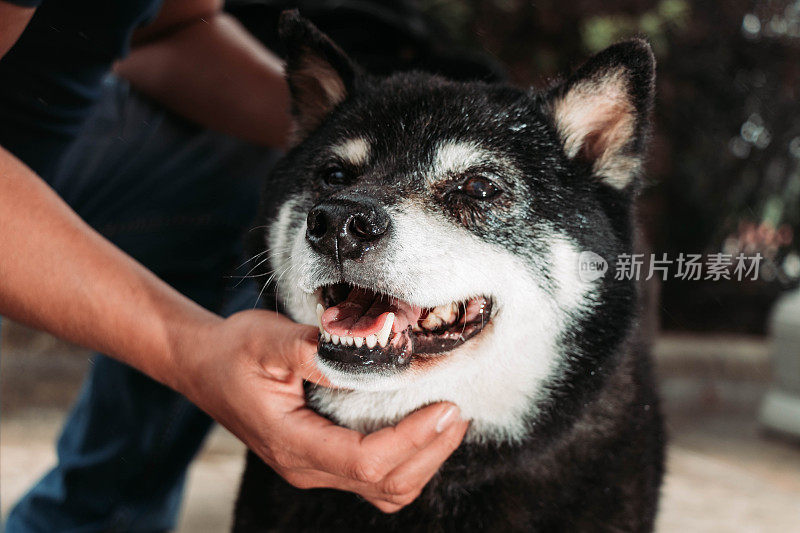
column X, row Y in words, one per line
column 335, row 176
column 479, row 187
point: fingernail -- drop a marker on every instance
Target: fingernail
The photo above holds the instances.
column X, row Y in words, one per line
column 447, row 419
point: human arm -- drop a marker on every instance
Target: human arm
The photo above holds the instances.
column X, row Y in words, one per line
column 13, row 19
column 59, row 275
column 202, row 64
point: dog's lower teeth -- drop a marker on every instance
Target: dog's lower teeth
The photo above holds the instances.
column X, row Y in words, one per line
column 359, row 341
column 347, row 340
column 335, row 339
column 327, row 336
column 372, row 341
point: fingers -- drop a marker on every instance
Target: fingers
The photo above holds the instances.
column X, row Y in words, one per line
column 397, row 487
column 395, row 445
column 384, row 506
column 300, row 353
column 292, row 347
column 314, row 479
column 286, row 349
column 405, row 482
column 325, row 446
column 368, row 459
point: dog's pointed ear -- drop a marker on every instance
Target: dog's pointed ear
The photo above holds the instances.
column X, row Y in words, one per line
column 319, row 73
column 602, row 112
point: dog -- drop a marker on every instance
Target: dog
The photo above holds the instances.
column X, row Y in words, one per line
column 433, row 231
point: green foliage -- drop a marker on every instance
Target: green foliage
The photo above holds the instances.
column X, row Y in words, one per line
column 601, row 31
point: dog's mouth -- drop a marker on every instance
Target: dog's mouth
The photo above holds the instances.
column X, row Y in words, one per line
column 362, row 328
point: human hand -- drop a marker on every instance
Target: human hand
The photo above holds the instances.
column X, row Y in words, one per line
column 248, row 375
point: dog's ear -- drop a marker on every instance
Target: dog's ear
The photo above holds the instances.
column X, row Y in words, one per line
column 319, row 73
column 602, row 112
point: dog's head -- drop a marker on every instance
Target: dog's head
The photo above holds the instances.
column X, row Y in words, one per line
column 432, row 229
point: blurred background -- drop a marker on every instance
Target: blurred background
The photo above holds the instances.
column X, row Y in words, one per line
column 723, row 177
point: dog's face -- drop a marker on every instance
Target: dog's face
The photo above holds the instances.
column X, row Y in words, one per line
column 433, row 228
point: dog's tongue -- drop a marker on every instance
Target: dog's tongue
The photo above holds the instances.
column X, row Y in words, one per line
column 363, row 313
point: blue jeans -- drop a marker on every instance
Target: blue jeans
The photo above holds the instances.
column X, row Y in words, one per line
column 178, row 199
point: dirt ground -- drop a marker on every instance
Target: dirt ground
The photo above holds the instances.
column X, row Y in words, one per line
column 723, row 472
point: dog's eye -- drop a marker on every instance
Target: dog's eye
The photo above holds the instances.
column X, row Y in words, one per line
column 479, row 187
column 335, row 176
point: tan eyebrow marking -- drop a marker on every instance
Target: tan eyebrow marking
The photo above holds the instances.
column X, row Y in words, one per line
column 455, row 157
column 354, row 151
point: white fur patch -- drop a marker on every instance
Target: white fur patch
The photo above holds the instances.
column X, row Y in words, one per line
column 496, row 377
column 354, row 151
column 289, row 253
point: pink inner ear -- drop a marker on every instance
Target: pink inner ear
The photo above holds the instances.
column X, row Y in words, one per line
column 330, row 84
column 318, row 89
column 596, row 119
column 608, row 132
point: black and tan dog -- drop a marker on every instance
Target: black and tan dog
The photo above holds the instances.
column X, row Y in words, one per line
column 433, row 230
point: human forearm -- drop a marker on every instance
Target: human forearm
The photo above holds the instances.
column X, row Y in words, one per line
column 58, row 274
column 213, row 72
column 13, row 20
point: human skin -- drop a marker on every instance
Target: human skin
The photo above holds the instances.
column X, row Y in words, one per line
column 59, row 275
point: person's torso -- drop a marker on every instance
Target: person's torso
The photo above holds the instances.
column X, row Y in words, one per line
column 52, row 76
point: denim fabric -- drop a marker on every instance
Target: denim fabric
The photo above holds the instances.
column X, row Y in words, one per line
column 178, row 199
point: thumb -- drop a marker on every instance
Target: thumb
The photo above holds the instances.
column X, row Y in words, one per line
column 301, row 357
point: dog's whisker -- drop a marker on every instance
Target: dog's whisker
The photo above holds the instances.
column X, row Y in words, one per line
column 259, row 254
column 259, row 296
column 252, row 270
column 267, row 283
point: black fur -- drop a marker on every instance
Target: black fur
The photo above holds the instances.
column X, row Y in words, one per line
column 592, row 458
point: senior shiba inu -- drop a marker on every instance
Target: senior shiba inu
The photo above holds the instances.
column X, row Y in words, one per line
column 432, row 230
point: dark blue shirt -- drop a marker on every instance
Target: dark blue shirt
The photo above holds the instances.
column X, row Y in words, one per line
column 52, row 76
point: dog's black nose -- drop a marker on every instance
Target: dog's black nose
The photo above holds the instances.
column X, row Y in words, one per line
column 347, row 226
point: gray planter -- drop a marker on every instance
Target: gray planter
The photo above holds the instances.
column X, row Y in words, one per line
column 781, row 408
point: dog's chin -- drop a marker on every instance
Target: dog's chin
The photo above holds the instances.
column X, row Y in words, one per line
column 371, row 340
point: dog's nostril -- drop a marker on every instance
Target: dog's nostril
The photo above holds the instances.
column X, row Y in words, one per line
column 359, row 227
column 346, row 228
column 364, row 228
column 316, row 223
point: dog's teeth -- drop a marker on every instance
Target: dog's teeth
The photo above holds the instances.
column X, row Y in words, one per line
column 347, row 340
column 448, row 313
column 359, row 341
column 371, row 341
column 320, row 310
column 335, row 339
column 440, row 315
column 431, row 322
column 327, row 336
column 386, row 330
